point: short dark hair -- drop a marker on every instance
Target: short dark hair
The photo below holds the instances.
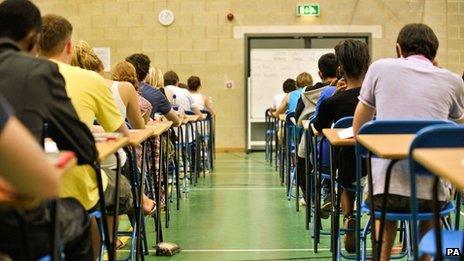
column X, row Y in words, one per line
column 193, row 83
column 289, row 85
column 141, row 62
column 18, row 18
column 328, row 65
column 353, row 57
column 418, row 39
column 171, row 78
column 56, row 31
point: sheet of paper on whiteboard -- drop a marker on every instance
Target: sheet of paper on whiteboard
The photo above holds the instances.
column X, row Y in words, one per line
column 104, row 53
column 346, row 133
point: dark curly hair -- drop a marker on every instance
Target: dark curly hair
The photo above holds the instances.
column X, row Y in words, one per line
column 141, row 62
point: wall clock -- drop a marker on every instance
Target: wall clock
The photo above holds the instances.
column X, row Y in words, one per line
column 166, row 17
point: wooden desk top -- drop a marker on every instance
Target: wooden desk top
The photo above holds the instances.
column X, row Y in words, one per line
column 335, row 140
column 159, row 128
column 107, row 148
column 282, row 117
column 191, row 118
column 444, row 162
column 136, row 137
column 387, row 146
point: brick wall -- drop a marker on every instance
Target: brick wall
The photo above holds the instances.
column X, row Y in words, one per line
column 201, row 39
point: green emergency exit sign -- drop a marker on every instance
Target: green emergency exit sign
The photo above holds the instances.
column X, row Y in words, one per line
column 308, row 10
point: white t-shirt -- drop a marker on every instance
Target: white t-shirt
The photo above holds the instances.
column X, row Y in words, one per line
column 198, row 100
column 278, row 100
column 410, row 88
column 183, row 97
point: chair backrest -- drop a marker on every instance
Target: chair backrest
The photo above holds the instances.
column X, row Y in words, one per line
column 395, row 127
column 440, row 136
column 345, row 122
column 208, row 114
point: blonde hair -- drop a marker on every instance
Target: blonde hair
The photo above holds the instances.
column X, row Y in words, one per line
column 84, row 57
column 155, row 78
column 125, row 72
column 304, row 79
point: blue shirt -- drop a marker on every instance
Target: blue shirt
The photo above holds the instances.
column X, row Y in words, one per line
column 293, row 98
column 158, row 100
column 325, row 94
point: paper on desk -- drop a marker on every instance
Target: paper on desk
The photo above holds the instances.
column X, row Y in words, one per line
column 346, row 133
column 50, row 146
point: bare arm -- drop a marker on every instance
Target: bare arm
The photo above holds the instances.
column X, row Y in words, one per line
column 198, row 112
column 123, row 130
column 23, row 163
column 362, row 115
column 134, row 114
column 209, row 106
column 172, row 116
column 282, row 107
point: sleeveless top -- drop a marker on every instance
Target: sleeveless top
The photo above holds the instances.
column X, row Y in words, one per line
column 117, row 98
column 198, row 100
column 293, row 98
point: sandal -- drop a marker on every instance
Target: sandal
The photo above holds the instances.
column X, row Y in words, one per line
column 349, row 240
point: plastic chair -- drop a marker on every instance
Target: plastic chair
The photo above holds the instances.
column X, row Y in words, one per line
column 382, row 127
column 269, row 134
column 318, row 177
column 435, row 137
column 292, row 135
column 207, row 137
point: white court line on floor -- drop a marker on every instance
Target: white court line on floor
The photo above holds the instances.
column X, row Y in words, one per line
column 244, row 188
column 243, row 250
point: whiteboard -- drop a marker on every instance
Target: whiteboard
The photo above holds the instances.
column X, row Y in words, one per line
column 269, row 68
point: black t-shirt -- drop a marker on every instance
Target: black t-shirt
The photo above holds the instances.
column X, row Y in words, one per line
column 5, row 113
column 340, row 105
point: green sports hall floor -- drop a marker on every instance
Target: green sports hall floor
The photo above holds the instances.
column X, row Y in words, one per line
column 239, row 212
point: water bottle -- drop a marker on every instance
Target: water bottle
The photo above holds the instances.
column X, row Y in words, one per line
column 175, row 105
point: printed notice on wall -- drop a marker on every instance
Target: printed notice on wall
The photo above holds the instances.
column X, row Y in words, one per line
column 104, row 54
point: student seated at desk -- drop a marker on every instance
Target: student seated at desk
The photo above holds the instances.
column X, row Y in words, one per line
column 288, row 86
column 158, row 100
column 127, row 101
column 202, row 101
column 290, row 101
column 18, row 185
column 155, row 78
column 408, row 87
column 125, row 72
column 353, row 57
column 183, row 98
column 124, row 93
column 327, row 65
column 35, row 90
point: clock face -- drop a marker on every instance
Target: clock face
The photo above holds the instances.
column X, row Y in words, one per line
column 166, row 17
